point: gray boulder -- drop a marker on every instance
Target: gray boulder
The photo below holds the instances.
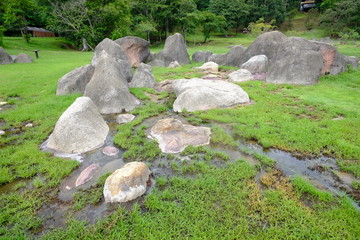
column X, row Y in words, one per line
column 199, row 94
column 296, row 67
column 256, row 64
column 75, row 81
column 201, row 56
column 174, row 50
column 137, row 49
column 5, row 58
column 80, row 128
column 23, row 58
column 127, row 183
column 108, row 88
column 174, row 64
column 143, row 77
column 266, row 44
column 114, row 51
column 235, row 57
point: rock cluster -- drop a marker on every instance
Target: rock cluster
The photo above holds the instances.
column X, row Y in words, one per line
column 5, row 58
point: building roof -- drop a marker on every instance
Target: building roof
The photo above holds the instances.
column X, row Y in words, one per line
column 36, row 29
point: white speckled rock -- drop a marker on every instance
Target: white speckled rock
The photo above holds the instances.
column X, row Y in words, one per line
column 124, row 118
column 199, row 94
column 209, row 66
column 241, row 75
column 127, row 183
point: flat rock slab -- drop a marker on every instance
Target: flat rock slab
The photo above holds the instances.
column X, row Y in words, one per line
column 110, row 151
column 124, row 118
column 127, row 183
column 200, row 94
column 3, row 103
column 209, row 66
column 87, row 174
column 174, row 136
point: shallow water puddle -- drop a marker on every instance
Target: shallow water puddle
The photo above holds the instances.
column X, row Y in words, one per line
column 322, row 171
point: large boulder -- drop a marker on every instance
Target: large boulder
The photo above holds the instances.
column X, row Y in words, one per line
column 80, row 128
column 143, row 77
column 174, row 136
column 108, row 88
column 5, row 58
column 23, row 58
column 174, row 50
column 75, row 81
column 201, row 56
column 199, row 94
column 137, row 49
column 297, row 63
column 256, row 64
column 235, row 57
column 127, row 183
column 241, row 75
column 266, row 44
column 114, row 51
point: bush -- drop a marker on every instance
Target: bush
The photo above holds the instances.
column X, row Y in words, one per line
column 2, row 30
column 260, row 26
column 312, row 19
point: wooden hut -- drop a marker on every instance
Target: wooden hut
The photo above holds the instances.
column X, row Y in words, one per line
column 39, row 32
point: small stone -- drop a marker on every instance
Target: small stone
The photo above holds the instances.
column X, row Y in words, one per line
column 68, row 188
column 110, row 151
column 87, row 174
column 124, row 118
column 209, row 66
column 174, row 64
column 2, row 132
column 241, row 75
column 3, row 103
column 29, row 125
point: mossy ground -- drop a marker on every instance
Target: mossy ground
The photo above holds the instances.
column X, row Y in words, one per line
column 219, row 201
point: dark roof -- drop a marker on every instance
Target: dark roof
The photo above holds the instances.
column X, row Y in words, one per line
column 36, row 29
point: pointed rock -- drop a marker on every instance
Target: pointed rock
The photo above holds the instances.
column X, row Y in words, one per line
column 80, row 128
column 174, row 50
column 108, row 88
column 143, row 77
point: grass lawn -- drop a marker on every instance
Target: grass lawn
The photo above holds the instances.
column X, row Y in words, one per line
column 233, row 200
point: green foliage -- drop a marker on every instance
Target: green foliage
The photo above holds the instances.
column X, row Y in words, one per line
column 2, row 30
column 259, row 27
column 303, row 186
column 236, row 12
column 311, row 20
column 219, row 136
column 210, row 22
column 351, row 34
column 356, row 185
column 344, row 15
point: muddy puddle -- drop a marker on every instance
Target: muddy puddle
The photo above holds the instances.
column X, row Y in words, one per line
column 322, row 171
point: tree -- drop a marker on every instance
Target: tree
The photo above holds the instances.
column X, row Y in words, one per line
column 343, row 17
column 236, row 12
column 19, row 14
column 210, row 22
column 92, row 20
column 267, row 9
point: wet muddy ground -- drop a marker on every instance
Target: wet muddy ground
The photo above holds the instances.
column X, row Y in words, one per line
column 323, row 172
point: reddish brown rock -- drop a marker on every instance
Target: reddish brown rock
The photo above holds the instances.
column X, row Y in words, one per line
column 86, row 175
column 137, row 49
column 174, row 137
column 110, row 151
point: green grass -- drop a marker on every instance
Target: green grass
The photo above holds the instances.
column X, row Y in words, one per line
column 303, row 186
column 216, row 202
